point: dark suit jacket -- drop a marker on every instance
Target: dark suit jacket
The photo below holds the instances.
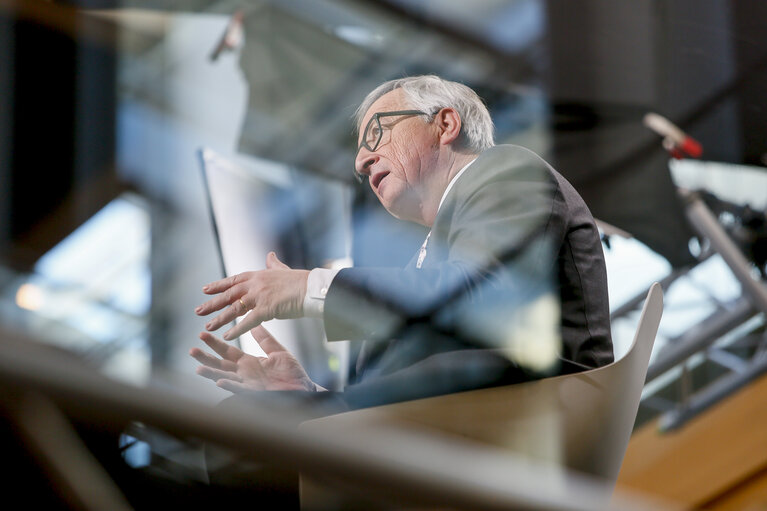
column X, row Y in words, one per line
column 510, row 231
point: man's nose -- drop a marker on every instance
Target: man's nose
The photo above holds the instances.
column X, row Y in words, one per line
column 365, row 159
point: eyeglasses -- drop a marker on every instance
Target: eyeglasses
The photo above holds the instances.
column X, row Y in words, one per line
column 373, row 134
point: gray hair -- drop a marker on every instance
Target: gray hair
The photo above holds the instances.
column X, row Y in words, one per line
column 431, row 93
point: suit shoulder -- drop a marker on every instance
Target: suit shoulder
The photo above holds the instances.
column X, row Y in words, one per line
column 511, row 162
column 507, row 166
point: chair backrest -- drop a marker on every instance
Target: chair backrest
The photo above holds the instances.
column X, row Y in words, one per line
column 580, row 421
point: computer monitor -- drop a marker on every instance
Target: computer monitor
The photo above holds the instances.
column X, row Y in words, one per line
column 253, row 211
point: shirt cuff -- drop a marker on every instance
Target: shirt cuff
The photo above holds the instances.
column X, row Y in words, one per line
column 316, row 288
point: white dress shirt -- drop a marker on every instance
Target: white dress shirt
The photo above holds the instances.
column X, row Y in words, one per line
column 319, row 280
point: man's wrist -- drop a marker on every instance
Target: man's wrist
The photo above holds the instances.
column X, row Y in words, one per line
column 317, row 286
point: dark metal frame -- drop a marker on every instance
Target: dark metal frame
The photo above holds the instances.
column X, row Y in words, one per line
column 702, row 338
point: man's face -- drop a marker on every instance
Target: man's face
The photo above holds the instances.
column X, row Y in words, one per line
column 400, row 168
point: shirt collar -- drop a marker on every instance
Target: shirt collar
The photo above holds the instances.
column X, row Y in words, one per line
column 452, row 182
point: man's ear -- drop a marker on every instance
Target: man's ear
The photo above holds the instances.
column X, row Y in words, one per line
column 449, row 123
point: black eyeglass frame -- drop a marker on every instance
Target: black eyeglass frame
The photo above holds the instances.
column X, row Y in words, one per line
column 377, row 120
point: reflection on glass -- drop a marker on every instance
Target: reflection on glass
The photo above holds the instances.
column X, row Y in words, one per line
column 138, row 89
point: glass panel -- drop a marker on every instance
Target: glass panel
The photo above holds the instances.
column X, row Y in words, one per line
column 150, row 147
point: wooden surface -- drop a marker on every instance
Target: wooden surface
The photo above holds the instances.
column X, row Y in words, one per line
column 749, row 495
column 716, row 461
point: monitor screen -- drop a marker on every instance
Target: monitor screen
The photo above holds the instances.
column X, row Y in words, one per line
column 253, row 208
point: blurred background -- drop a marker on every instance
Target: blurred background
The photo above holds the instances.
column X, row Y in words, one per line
column 126, row 125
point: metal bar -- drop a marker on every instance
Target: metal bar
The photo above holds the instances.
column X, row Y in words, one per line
column 727, row 360
column 706, row 224
column 637, row 300
column 700, row 337
column 658, row 403
column 389, row 462
column 714, row 393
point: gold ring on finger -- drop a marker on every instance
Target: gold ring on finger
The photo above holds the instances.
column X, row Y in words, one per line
column 244, row 307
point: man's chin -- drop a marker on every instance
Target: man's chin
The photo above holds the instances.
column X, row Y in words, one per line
column 408, row 214
column 402, row 206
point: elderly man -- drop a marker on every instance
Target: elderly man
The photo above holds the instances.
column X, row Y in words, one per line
column 507, row 231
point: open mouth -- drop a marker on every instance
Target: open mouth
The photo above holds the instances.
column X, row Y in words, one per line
column 377, row 178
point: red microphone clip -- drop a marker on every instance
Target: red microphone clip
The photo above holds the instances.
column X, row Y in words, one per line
column 678, row 143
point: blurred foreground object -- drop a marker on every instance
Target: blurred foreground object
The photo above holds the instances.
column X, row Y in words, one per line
column 678, row 143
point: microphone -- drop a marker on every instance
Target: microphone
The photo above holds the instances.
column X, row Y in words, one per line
column 678, row 143
column 231, row 37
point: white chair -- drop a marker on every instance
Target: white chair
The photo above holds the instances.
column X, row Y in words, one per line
column 580, row 422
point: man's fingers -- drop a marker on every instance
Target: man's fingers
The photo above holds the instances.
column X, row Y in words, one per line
column 205, row 359
column 223, row 284
column 226, row 350
column 273, row 263
column 216, row 374
column 233, row 386
column 234, row 311
column 235, row 296
column 246, row 323
column 267, row 342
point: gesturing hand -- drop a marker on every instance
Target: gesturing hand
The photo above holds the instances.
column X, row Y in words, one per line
column 236, row 371
column 276, row 292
